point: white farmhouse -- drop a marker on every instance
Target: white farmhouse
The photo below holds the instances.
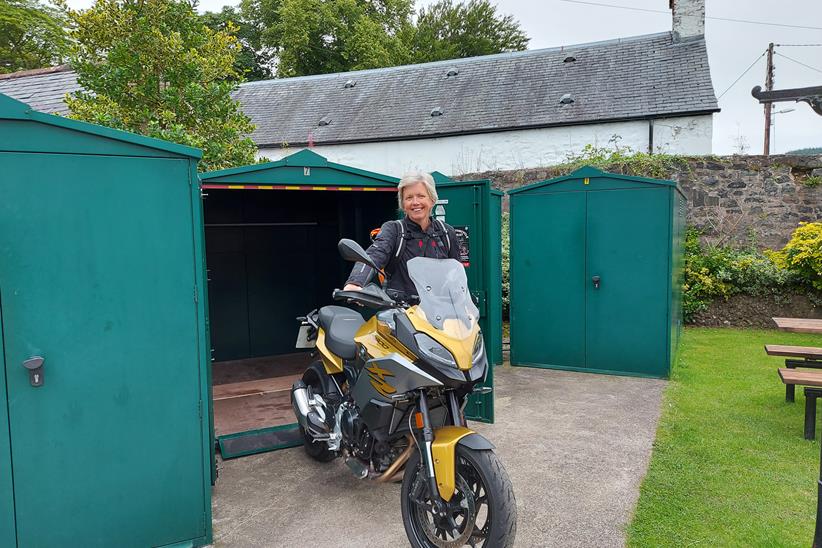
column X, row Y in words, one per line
column 508, row 111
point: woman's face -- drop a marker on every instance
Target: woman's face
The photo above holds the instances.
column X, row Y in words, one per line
column 416, row 203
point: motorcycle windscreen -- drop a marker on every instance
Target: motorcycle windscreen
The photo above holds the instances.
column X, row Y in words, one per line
column 445, row 300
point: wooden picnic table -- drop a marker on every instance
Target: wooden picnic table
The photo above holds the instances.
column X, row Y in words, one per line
column 799, row 325
column 807, row 325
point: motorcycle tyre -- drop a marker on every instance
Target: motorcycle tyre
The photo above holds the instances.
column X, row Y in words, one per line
column 501, row 502
column 318, row 451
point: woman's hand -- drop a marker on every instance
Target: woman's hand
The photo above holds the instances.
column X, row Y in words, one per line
column 351, row 287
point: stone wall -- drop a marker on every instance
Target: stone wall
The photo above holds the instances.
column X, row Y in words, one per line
column 733, row 199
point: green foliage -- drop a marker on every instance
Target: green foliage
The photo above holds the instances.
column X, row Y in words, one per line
column 624, row 160
column 729, row 465
column 712, row 272
column 812, row 181
column 446, row 30
column 506, row 262
column 151, row 67
column 813, row 151
column 303, row 37
column 32, row 35
column 252, row 62
column 802, row 255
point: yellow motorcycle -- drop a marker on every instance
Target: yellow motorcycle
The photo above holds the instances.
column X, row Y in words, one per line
column 387, row 395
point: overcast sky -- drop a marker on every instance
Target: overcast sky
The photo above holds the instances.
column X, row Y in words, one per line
column 732, row 47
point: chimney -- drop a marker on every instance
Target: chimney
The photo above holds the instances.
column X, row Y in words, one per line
column 688, row 20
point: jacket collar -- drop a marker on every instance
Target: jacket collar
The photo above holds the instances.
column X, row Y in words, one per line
column 413, row 226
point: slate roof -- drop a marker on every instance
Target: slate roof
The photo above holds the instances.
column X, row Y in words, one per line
column 41, row 89
column 648, row 76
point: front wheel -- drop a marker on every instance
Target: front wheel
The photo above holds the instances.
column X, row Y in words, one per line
column 482, row 511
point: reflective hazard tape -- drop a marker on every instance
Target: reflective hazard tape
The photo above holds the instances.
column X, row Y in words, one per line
column 295, row 187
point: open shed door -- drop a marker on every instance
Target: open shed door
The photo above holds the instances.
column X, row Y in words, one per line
column 8, row 535
column 468, row 207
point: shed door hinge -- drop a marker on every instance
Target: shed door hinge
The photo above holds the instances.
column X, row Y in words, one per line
column 196, row 295
column 200, row 408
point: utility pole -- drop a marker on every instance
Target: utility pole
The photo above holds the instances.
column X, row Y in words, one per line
column 768, row 106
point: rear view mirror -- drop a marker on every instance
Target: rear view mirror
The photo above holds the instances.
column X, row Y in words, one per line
column 352, row 251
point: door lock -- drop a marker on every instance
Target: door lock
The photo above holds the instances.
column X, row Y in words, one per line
column 35, row 368
column 595, row 279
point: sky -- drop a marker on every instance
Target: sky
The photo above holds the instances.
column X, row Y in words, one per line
column 732, row 48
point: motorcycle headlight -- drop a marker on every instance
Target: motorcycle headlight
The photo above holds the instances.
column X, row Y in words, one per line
column 434, row 351
column 479, row 349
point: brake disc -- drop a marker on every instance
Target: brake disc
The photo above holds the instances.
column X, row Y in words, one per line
column 455, row 528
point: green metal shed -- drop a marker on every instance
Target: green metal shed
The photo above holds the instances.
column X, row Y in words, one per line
column 292, row 212
column 596, row 262
column 107, row 442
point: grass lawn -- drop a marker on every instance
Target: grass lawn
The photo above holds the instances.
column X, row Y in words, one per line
column 730, row 466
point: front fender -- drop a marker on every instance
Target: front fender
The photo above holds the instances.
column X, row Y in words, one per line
column 444, row 453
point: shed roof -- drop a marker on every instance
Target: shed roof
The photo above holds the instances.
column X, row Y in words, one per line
column 12, row 109
column 590, row 172
column 277, row 172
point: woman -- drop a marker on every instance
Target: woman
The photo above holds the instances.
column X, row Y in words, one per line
column 416, row 235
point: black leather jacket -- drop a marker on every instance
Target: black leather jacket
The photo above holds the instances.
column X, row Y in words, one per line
column 433, row 242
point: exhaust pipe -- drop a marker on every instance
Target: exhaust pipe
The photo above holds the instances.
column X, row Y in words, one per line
column 307, row 416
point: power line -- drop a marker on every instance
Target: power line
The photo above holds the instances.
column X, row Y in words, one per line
column 799, row 62
column 743, row 74
column 707, row 17
column 799, row 45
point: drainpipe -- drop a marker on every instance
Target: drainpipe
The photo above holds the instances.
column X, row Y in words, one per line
column 651, row 136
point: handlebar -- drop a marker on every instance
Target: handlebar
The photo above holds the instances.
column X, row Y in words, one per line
column 361, row 298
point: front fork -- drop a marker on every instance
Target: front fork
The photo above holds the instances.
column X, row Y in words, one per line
column 427, row 454
column 428, row 440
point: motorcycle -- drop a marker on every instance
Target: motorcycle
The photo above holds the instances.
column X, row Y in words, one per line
column 387, row 395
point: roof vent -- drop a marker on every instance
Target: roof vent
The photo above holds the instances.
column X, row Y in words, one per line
column 349, row 84
column 566, row 99
column 436, row 111
column 452, row 73
column 569, row 59
column 324, row 121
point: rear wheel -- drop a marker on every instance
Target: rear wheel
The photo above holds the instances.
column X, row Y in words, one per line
column 482, row 511
column 317, row 450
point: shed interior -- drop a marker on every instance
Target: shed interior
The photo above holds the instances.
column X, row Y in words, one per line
column 271, row 257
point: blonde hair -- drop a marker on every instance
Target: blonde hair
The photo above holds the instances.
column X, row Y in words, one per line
column 410, row 179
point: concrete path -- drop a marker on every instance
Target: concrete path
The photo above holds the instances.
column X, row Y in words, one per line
column 576, row 447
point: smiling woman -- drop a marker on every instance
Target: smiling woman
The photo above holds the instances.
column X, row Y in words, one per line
column 416, row 235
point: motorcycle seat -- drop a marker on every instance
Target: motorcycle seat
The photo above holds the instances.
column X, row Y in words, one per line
column 340, row 324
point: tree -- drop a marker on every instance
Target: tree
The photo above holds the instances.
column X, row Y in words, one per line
column 323, row 36
column 32, row 35
column 253, row 62
column 152, row 67
column 450, row 31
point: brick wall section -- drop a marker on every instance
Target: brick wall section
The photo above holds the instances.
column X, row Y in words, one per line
column 734, row 199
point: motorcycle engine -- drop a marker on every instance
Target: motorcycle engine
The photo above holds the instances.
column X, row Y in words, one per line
column 354, row 432
column 349, row 415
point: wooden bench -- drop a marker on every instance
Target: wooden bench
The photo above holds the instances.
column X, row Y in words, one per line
column 812, row 381
column 797, row 356
column 799, row 325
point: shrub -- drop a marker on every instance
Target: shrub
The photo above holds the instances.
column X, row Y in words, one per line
column 712, row 272
column 802, row 255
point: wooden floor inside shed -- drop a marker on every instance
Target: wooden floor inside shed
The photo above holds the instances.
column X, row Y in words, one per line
column 254, row 393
